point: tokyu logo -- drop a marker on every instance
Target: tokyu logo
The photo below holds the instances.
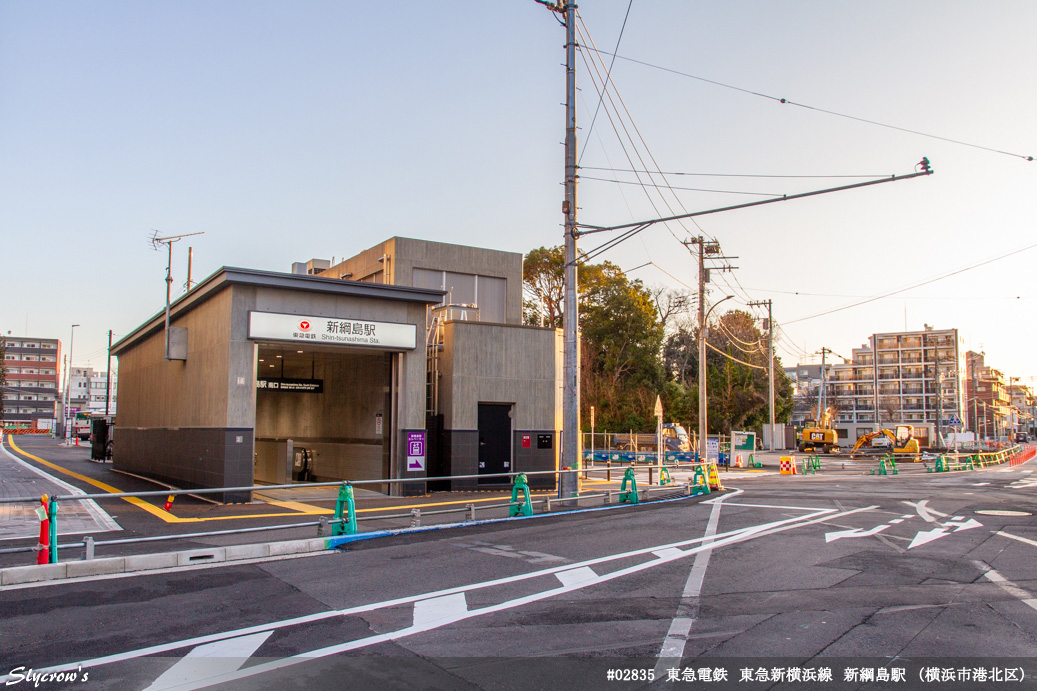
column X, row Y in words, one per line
column 304, row 325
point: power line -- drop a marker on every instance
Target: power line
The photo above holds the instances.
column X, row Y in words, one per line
column 729, row 357
column 916, row 285
column 734, row 175
column 685, row 189
column 608, row 74
column 786, row 101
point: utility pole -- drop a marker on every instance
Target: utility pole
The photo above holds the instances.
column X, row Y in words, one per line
column 568, row 483
column 168, row 242
column 704, row 247
column 108, row 376
column 770, row 363
column 821, row 407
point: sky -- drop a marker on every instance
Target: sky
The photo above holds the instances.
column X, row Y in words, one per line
column 288, row 131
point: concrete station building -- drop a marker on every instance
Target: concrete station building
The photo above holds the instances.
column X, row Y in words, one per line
column 406, row 361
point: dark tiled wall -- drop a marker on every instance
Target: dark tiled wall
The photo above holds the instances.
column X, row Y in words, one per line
column 534, row 459
column 461, row 451
column 188, row 457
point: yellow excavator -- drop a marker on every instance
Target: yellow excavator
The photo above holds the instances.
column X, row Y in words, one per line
column 902, row 441
column 818, row 435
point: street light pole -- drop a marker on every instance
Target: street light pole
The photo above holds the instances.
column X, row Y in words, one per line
column 68, row 383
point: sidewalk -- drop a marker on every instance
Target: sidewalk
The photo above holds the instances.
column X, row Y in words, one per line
column 18, row 521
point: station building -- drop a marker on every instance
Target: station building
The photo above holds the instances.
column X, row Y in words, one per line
column 404, row 362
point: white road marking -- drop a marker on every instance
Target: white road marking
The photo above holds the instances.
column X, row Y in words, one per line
column 1016, row 537
column 967, row 525
column 666, row 553
column 855, row 532
column 577, row 577
column 510, row 552
column 430, row 613
column 764, row 506
column 210, row 660
column 927, row 536
column 1007, row 585
column 724, row 539
column 925, row 512
column 672, row 651
column 104, row 521
column 897, row 520
column 980, row 484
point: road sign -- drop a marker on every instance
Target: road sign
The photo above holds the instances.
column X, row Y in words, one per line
column 954, row 421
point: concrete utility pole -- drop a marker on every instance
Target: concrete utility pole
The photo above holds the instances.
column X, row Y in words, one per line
column 68, row 389
column 704, row 247
column 568, row 484
column 821, row 407
column 108, row 376
column 770, row 363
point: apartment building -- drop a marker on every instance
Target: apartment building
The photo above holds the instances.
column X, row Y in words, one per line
column 1023, row 406
column 87, row 391
column 990, row 403
column 909, row 377
column 32, row 390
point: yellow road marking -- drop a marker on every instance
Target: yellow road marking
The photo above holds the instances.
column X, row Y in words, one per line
column 140, row 503
column 297, row 505
column 299, row 508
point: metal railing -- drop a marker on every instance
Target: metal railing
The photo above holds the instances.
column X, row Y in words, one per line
column 345, row 512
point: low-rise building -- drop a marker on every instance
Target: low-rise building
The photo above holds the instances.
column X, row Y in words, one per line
column 405, row 362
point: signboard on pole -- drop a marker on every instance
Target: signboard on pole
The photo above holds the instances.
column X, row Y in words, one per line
column 415, row 451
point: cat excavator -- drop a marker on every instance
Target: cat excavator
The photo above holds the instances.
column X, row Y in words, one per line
column 818, row 435
column 903, row 440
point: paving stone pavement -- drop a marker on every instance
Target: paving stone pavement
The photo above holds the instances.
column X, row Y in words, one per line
column 20, row 479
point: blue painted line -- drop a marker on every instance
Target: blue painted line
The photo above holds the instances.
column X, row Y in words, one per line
column 335, row 542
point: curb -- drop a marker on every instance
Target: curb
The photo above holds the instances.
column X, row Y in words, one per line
column 19, row 575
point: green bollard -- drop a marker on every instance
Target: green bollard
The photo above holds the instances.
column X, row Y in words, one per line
column 700, row 480
column 345, row 501
column 524, row 508
column 631, row 494
column 52, row 512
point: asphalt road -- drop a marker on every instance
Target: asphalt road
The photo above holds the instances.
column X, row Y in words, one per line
column 856, row 579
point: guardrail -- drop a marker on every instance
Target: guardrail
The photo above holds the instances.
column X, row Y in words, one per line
column 975, row 461
column 345, row 521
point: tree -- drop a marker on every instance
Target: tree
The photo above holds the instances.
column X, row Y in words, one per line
column 736, row 373
column 621, row 336
column 543, row 277
column 889, row 408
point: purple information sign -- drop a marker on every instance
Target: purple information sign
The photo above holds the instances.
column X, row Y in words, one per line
column 415, row 451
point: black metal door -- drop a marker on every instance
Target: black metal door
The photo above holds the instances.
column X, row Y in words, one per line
column 494, row 442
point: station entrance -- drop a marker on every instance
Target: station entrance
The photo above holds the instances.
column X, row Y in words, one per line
column 323, row 413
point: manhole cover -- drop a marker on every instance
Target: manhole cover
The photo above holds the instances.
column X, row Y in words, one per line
column 991, row 512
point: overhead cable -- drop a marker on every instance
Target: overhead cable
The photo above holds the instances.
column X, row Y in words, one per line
column 786, row 101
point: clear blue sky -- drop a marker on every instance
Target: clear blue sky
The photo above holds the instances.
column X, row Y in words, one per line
column 287, row 131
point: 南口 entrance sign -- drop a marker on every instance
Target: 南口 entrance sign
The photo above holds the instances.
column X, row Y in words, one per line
column 331, row 331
